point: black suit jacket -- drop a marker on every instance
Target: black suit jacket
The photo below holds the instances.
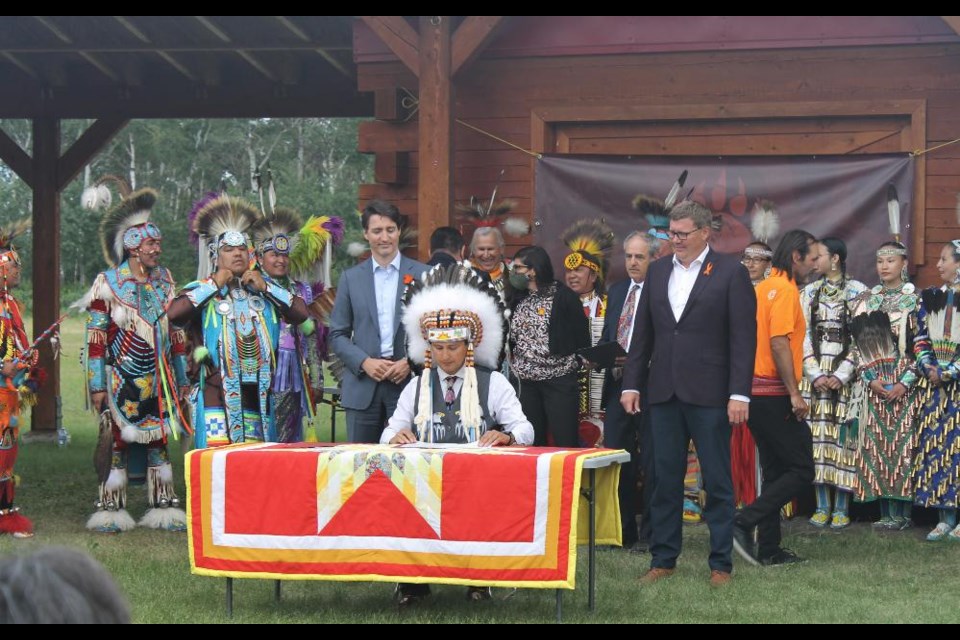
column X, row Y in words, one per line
column 708, row 354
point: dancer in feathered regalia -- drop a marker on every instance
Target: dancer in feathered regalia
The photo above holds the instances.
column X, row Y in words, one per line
column 19, row 379
column 135, row 362
column 590, row 243
column 233, row 315
column 297, row 257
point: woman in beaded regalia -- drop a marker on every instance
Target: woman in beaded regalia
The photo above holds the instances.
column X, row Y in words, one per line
column 884, row 325
column 829, row 372
column 937, row 350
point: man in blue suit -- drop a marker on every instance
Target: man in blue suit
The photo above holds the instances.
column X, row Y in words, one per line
column 692, row 352
column 365, row 326
column 620, row 429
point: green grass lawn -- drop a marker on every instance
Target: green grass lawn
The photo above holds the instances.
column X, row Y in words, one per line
column 854, row 576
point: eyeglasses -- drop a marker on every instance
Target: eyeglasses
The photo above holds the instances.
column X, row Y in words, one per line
column 753, row 260
column 516, row 265
column 681, row 235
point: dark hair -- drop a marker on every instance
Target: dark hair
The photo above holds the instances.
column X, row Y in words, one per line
column 836, row 247
column 446, row 239
column 57, row 585
column 379, row 208
column 793, row 240
column 539, row 260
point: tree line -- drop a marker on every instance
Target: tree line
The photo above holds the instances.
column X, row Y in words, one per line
column 313, row 162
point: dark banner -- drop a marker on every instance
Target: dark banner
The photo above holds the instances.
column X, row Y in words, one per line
column 842, row 196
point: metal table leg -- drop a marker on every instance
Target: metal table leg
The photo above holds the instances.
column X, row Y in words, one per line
column 592, row 552
column 229, row 597
column 559, row 605
column 276, row 591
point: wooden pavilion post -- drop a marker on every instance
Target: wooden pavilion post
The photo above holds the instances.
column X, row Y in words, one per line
column 46, row 267
column 435, row 184
column 47, row 173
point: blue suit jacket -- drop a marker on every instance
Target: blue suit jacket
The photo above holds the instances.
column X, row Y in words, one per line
column 708, row 354
column 355, row 332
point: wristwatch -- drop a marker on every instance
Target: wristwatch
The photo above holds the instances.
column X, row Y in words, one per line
column 511, row 441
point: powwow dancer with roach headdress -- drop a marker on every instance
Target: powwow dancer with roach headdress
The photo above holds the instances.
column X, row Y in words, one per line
column 232, row 312
column 298, row 257
column 20, row 377
column 135, row 362
column 590, row 243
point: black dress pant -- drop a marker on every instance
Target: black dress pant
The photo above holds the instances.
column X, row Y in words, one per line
column 552, row 406
column 786, row 459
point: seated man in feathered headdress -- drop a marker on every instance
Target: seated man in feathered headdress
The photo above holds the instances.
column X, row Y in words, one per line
column 455, row 327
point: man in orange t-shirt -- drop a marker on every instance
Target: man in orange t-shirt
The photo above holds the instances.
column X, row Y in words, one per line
column 777, row 409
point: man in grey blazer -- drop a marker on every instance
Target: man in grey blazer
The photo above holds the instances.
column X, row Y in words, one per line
column 365, row 326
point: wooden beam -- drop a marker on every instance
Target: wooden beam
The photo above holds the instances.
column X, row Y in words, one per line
column 471, row 38
column 336, row 64
column 387, row 105
column 399, row 36
column 46, row 266
column 99, row 65
column 257, row 45
column 212, row 28
column 435, row 184
column 86, row 147
column 256, row 64
column 132, row 29
column 20, row 64
column 16, row 158
column 54, row 29
column 292, row 28
column 392, row 167
column 332, row 97
column 173, row 62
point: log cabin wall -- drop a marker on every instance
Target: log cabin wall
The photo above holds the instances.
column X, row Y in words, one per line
column 804, row 100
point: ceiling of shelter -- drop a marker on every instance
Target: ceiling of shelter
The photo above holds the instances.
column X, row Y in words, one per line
column 178, row 66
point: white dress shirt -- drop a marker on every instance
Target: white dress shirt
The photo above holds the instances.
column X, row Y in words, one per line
column 385, row 282
column 681, row 282
column 679, row 287
column 502, row 403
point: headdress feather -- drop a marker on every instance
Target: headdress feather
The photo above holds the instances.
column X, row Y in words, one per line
column 765, row 224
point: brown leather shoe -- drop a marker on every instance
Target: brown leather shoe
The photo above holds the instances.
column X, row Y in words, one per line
column 719, row 578
column 654, row 574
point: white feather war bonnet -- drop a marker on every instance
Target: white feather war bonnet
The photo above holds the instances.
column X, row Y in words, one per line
column 450, row 304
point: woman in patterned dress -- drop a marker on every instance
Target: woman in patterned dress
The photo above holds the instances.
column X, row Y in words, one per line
column 884, row 325
column 829, row 374
column 937, row 349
